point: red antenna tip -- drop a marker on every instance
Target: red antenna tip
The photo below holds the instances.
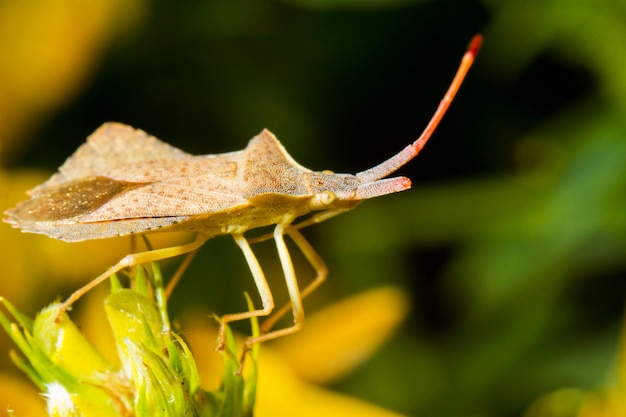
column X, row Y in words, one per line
column 475, row 44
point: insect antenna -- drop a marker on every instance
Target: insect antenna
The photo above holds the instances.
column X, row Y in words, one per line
column 408, row 153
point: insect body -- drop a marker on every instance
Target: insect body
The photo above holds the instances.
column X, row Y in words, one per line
column 123, row 181
column 102, row 192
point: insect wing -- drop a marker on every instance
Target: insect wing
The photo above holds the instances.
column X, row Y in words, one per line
column 111, row 146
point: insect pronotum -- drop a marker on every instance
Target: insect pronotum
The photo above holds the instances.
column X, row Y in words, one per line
column 123, row 181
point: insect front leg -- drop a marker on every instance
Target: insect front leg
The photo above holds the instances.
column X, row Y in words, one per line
column 262, row 286
column 321, row 272
column 128, row 261
column 292, row 288
column 316, row 218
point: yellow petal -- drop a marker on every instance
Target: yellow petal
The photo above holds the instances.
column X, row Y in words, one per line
column 340, row 337
column 612, row 402
column 47, row 50
column 282, row 393
column 21, row 397
column 281, row 389
column 65, row 344
column 94, row 324
column 200, row 332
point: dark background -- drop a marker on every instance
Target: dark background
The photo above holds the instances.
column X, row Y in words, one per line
column 511, row 242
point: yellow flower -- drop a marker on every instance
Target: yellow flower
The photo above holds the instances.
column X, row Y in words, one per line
column 156, row 374
column 48, row 49
column 20, row 397
column 332, row 342
column 611, row 402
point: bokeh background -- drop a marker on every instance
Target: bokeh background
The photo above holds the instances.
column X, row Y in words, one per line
column 511, row 245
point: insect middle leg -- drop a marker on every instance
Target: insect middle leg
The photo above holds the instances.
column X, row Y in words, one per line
column 295, row 296
column 267, row 300
column 292, row 288
column 317, row 218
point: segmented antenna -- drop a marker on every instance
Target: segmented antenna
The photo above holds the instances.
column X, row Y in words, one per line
column 408, row 153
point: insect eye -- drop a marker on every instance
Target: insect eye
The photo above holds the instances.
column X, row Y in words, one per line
column 327, row 197
column 322, row 200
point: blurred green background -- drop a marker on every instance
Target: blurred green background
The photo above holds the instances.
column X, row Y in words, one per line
column 511, row 243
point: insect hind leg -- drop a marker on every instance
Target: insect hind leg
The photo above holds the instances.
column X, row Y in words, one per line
column 128, row 261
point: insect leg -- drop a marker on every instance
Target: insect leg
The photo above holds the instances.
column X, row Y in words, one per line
column 320, row 269
column 179, row 273
column 316, row 218
column 267, row 299
column 292, row 288
column 132, row 260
